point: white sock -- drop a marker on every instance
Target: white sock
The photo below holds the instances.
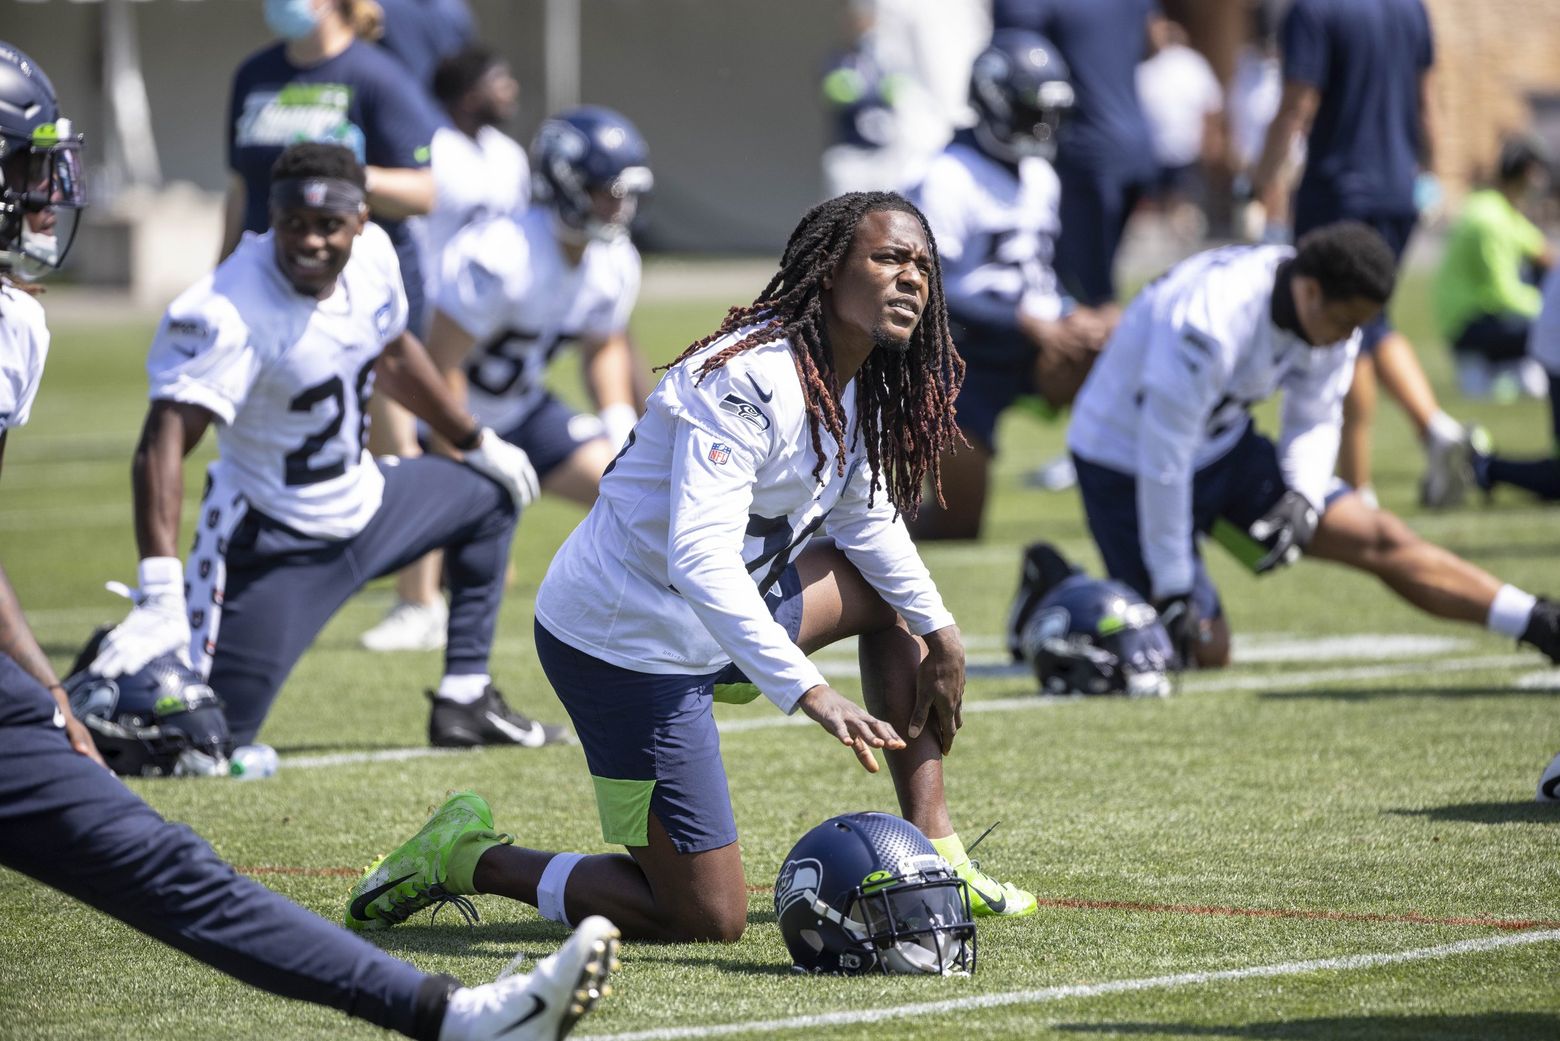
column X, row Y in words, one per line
column 1510, row 612
column 555, row 878
column 464, row 689
column 1443, row 430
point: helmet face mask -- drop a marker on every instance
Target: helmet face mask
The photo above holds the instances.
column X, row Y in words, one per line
column 591, row 166
column 866, row 892
column 41, row 185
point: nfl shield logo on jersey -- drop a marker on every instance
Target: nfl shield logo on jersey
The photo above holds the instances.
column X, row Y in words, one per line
column 719, row 453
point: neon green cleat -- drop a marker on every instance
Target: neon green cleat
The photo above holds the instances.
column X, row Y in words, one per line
column 991, row 897
column 433, row 868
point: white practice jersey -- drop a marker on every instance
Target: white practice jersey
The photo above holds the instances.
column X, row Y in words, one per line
column 288, row 378
column 474, row 179
column 700, row 514
column 1172, row 390
column 507, row 283
column 996, row 233
column 24, row 346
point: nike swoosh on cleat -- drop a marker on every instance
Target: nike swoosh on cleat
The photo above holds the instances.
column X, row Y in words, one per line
column 1552, row 787
column 538, row 1006
column 359, row 908
column 997, row 904
column 529, row 738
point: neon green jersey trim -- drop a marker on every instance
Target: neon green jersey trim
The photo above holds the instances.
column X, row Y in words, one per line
column 624, row 806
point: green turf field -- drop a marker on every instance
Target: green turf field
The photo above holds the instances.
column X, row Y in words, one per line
column 1277, row 852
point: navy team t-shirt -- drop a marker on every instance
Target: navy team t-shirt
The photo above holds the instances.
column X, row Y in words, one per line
column 361, row 98
column 1102, row 42
column 1366, row 57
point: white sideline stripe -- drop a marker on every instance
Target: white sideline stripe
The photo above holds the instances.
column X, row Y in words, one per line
column 1087, row 990
column 1192, row 684
column 383, row 755
column 1228, row 680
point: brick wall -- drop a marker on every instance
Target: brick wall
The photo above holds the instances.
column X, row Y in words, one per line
column 1491, row 55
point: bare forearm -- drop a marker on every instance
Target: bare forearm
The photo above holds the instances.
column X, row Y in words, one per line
column 609, row 373
column 1295, row 112
column 157, row 475
column 16, row 638
column 406, row 374
column 399, row 193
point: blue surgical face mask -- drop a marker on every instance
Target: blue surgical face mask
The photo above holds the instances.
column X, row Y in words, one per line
column 291, row 19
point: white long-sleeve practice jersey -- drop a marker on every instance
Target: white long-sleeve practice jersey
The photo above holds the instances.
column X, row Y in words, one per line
column 711, row 499
column 24, row 347
column 1172, row 391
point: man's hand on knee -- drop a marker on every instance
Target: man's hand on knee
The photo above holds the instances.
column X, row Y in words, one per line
column 939, row 688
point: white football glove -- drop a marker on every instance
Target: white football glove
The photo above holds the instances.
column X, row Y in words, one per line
column 158, row 624
column 506, row 464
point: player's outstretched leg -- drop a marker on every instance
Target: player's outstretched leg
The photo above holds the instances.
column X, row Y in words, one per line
column 1433, row 579
column 72, row 825
column 836, row 603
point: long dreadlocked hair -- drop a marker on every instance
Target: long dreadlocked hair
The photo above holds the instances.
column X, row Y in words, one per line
column 904, row 400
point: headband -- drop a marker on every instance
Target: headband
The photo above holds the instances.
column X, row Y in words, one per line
column 316, row 193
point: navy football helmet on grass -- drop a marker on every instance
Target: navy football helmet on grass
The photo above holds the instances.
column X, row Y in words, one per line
column 1083, row 635
column 590, row 166
column 1020, row 91
column 162, row 721
column 41, row 191
column 867, row 892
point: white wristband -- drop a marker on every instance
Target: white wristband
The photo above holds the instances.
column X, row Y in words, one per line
column 161, row 576
column 618, row 420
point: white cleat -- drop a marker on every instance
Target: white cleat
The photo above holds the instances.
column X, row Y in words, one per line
column 542, row 1006
column 410, row 627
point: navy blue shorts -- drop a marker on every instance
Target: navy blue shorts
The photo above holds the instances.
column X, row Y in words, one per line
column 551, row 433
column 1227, row 496
column 1396, row 228
column 650, row 739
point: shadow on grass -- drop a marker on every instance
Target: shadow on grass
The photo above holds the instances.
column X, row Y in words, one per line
column 1525, row 812
column 538, row 938
column 1372, row 693
column 1491, row 1025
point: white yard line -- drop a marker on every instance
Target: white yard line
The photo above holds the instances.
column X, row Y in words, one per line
column 1046, row 995
column 1207, row 683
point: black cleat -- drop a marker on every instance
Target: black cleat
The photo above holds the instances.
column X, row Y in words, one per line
column 487, row 721
column 1043, row 567
column 1543, row 629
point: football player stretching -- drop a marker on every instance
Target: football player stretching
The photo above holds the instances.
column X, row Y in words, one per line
column 818, row 410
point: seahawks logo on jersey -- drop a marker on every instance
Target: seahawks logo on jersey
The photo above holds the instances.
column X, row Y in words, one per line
column 745, row 410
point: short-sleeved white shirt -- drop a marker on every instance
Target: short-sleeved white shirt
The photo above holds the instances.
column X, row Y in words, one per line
column 24, row 347
column 288, row 378
column 474, row 179
column 507, row 283
column 995, row 232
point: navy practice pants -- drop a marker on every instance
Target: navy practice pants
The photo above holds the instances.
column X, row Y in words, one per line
column 283, row 586
column 72, row 825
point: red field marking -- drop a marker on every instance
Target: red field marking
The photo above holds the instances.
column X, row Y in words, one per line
column 313, row 872
column 1481, row 921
